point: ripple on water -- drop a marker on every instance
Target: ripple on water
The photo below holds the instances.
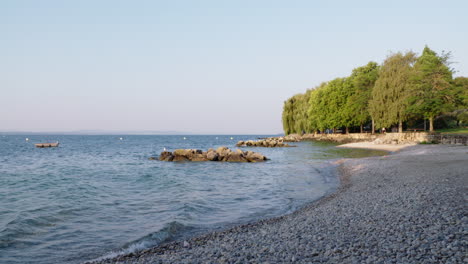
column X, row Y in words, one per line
column 98, row 196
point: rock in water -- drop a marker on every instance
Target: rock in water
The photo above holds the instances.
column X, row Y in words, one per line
column 220, row 154
column 199, row 157
column 166, row 156
column 212, row 155
column 235, row 157
column 267, row 143
column 254, row 157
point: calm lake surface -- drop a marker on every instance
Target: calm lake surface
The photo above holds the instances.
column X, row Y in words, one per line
column 99, row 196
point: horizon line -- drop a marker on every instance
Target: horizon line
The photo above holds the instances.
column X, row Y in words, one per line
column 136, row 133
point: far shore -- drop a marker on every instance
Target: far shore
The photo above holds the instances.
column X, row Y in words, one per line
column 371, row 145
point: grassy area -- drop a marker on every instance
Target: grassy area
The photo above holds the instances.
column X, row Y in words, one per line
column 453, row 130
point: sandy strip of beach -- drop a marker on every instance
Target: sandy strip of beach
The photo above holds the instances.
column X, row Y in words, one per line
column 371, row 145
column 407, row 207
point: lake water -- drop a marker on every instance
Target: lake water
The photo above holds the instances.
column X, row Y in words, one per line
column 99, row 196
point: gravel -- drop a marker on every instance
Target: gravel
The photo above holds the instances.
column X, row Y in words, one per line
column 408, row 207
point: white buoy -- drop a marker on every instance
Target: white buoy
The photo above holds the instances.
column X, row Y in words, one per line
column 185, row 138
column 232, row 138
column 27, row 139
column 164, row 149
column 121, row 138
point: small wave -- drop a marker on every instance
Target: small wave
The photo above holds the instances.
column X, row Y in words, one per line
column 169, row 232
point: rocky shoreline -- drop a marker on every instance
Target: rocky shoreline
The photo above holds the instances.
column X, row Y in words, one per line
column 409, row 207
column 267, row 143
column 386, row 138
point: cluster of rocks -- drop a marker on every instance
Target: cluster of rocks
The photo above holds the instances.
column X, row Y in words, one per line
column 267, row 143
column 292, row 138
column 220, row 154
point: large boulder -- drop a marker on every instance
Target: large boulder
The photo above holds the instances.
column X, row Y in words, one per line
column 166, row 156
column 182, row 152
column 199, row 157
column 292, row 138
column 188, row 153
column 221, row 149
column 223, row 152
column 180, row 158
column 254, row 156
column 235, row 157
column 212, row 155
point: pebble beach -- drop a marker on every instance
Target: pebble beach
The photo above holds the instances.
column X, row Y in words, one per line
column 406, row 207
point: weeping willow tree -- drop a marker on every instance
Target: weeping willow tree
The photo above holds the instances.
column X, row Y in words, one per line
column 389, row 101
column 301, row 124
column 288, row 116
column 295, row 114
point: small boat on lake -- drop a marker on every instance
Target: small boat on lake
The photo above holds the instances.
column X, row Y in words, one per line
column 46, row 145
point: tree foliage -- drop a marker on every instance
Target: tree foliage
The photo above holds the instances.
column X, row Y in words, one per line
column 403, row 87
column 363, row 80
column 430, row 88
column 390, row 94
column 460, row 90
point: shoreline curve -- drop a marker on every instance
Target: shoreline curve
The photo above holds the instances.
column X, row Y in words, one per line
column 394, row 208
column 371, row 145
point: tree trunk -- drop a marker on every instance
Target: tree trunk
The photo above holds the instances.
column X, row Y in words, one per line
column 431, row 124
column 400, row 127
column 373, row 127
column 347, row 130
column 361, row 128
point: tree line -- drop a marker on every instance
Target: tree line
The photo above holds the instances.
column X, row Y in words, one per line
column 403, row 89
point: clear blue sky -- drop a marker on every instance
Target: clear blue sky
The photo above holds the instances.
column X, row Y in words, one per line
column 198, row 66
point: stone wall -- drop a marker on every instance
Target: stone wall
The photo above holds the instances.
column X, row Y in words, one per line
column 449, row 139
column 341, row 138
column 388, row 138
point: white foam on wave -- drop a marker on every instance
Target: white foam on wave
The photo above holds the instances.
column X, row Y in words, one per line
column 146, row 242
column 135, row 247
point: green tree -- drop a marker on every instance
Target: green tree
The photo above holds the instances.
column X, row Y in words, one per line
column 288, row 116
column 389, row 100
column 357, row 107
column 345, row 108
column 302, row 124
column 460, row 90
column 335, row 100
column 431, row 84
column 317, row 108
column 295, row 114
